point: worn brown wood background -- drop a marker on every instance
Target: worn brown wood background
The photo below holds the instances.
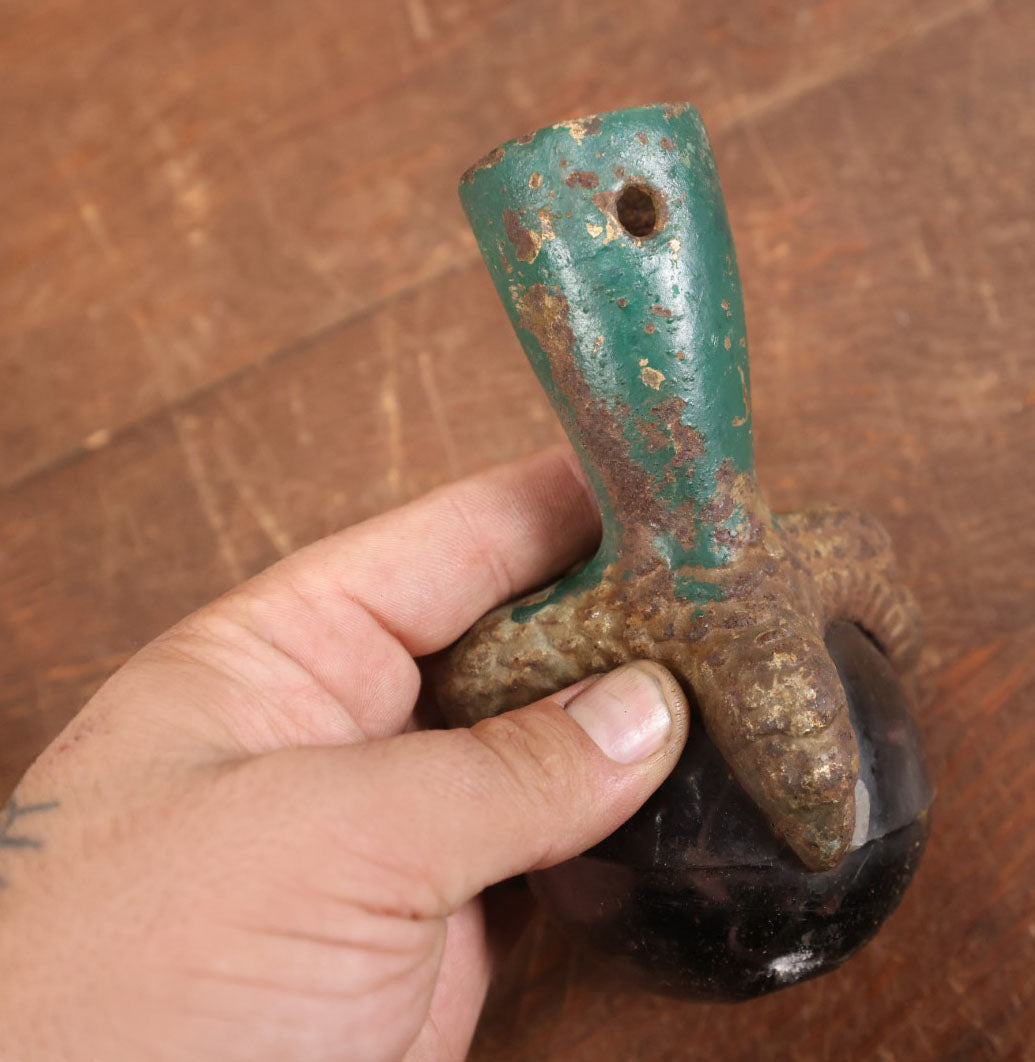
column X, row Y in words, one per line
column 239, row 308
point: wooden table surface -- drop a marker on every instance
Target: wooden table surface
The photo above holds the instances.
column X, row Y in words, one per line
column 240, row 308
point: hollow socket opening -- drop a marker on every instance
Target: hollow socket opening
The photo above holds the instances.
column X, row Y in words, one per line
column 637, row 210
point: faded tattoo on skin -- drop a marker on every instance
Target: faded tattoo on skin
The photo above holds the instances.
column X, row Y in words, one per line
column 10, row 825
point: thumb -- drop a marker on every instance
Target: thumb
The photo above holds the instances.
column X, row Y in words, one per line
column 437, row 816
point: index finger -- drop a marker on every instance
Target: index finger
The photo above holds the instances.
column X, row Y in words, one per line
column 428, row 570
column 344, row 617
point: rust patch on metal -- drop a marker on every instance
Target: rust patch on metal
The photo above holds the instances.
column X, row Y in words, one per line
column 504, row 260
column 667, row 143
column 598, row 428
column 580, row 128
column 653, row 435
column 519, row 236
column 687, row 441
column 484, row 163
column 674, row 110
column 545, row 314
column 582, row 179
column 527, row 242
column 660, row 311
column 742, row 420
column 642, row 138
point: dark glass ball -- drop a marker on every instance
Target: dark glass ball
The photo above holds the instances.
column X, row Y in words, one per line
column 695, row 896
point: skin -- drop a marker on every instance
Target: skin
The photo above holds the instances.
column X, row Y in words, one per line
column 244, row 847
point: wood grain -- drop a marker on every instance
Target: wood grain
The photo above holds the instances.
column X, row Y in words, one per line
column 199, row 185
column 239, row 308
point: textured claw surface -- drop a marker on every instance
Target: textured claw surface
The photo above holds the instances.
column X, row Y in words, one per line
column 755, row 663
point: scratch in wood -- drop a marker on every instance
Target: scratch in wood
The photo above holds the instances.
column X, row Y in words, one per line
column 924, row 265
column 438, row 412
column 238, row 412
column 389, row 402
column 97, row 440
column 198, row 471
column 987, row 293
column 517, row 89
column 95, row 226
column 303, row 433
column 118, row 515
column 263, row 514
column 857, row 140
column 747, row 106
column 110, row 553
column 255, row 179
column 88, row 211
column 265, row 517
column 160, row 363
column 285, row 237
column 835, row 250
column 420, row 22
column 769, row 166
column 189, row 187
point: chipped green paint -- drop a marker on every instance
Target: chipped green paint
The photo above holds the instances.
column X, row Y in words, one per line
column 646, row 331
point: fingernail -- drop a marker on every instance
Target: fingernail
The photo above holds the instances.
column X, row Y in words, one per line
column 625, row 713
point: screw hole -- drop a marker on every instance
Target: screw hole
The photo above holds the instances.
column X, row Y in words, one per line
column 637, row 212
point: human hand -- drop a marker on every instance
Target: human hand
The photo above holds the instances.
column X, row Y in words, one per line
column 243, row 848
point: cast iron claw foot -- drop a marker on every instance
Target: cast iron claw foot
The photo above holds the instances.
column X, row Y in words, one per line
column 608, row 242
